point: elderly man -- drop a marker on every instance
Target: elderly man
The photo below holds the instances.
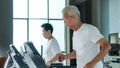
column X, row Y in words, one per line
column 86, row 40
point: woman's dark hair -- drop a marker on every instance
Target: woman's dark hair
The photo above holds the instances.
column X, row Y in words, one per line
column 47, row 26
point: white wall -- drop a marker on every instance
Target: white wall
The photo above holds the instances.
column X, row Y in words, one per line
column 114, row 14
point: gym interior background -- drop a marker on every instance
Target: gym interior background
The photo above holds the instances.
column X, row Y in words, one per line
column 104, row 14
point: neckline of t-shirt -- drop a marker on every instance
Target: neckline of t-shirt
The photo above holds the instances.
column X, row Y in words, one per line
column 80, row 27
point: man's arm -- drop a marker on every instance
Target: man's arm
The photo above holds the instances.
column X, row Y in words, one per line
column 105, row 47
column 55, row 58
column 72, row 55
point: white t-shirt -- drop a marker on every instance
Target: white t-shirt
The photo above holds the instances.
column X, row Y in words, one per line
column 84, row 43
column 52, row 49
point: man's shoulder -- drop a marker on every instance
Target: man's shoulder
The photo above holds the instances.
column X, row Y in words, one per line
column 54, row 41
column 90, row 27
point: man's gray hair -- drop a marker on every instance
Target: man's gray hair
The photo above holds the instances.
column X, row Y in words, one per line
column 71, row 10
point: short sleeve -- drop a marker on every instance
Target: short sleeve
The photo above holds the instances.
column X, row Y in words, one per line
column 55, row 48
column 94, row 34
column 73, row 42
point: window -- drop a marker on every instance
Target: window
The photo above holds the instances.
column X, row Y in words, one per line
column 28, row 15
column 19, row 32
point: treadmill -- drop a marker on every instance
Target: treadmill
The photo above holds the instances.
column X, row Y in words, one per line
column 32, row 57
column 14, row 60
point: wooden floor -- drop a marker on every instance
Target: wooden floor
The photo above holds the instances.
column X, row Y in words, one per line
column 2, row 61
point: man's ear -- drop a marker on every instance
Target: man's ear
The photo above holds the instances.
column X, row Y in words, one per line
column 49, row 31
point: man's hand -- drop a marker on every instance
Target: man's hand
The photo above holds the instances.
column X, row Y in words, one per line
column 48, row 63
column 89, row 65
column 61, row 57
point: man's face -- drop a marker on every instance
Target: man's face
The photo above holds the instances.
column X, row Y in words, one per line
column 68, row 20
column 45, row 33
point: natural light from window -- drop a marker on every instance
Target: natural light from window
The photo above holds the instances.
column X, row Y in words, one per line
column 29, row 15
